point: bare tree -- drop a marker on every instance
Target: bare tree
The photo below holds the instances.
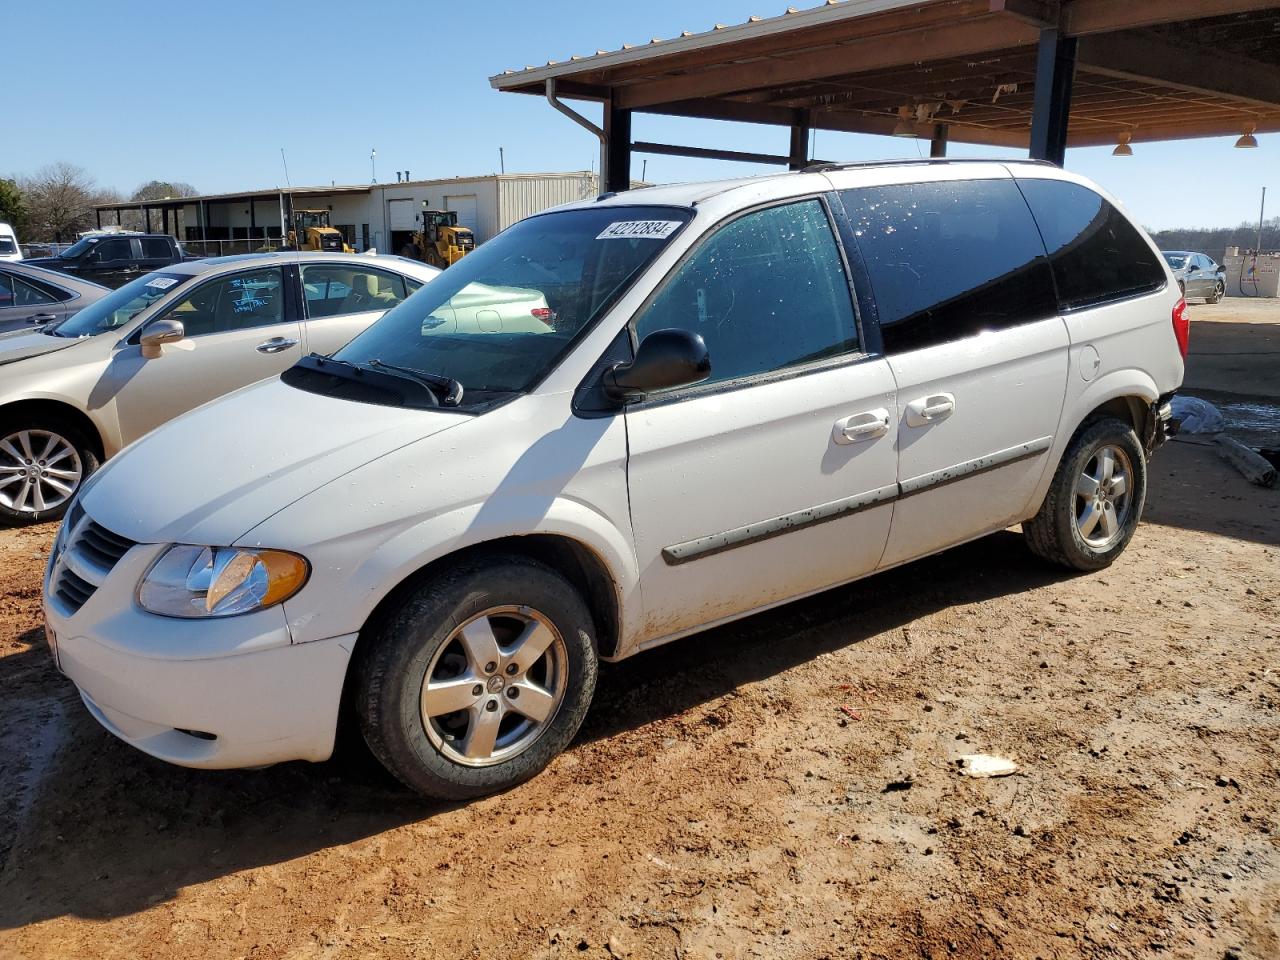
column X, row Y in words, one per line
column 60, row 198
column 163, row 190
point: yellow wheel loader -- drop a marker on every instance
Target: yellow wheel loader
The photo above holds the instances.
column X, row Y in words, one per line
column 441, row 241
column 311, row 231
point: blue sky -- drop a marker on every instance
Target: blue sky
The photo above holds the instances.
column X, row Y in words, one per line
column 208, row 92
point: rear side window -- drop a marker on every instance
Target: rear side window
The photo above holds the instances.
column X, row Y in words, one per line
column 949, row 260
column 1097, row 255
column 766, row 292
column 156, row 248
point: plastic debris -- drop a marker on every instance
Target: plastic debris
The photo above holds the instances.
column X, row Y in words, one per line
column 849, row 712
column 985, row 765
column 1197, row 416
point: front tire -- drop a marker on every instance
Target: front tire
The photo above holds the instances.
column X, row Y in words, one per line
column 1095, row 500
column 478, row 678
column 43, row 463
column 1219, row 291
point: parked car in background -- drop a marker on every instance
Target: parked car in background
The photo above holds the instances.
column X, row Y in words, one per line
column 751, row 391
column 33, row 296
column 1198, row 276
column 9, row 249
column 114, row 259
column 75, row 392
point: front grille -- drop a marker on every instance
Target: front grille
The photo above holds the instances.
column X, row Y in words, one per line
column 88, row 555
column 73, row 591
column 101, row 545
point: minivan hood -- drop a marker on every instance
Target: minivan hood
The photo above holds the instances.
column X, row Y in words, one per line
column 212, row 475
column 20, row 344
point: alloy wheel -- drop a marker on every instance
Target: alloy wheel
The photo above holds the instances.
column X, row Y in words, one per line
column 494, row 686
column 1104, row 497
column 39, row 470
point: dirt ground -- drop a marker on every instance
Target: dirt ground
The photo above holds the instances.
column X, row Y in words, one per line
column 721, row 803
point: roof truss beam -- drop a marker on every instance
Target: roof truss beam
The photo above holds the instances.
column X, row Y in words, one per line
column 1144, row 58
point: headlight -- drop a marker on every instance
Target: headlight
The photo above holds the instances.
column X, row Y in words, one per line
column 190, row 581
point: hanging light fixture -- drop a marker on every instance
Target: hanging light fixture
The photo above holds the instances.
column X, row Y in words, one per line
column 904, row 127
column 1247, row 140
column 1122, row 148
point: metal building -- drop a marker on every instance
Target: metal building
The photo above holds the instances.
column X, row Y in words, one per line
column 379, row 216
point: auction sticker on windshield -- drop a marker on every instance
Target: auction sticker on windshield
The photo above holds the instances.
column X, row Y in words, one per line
column 639, row 230
column 162, row 283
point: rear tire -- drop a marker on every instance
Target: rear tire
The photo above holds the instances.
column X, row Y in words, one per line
column 1095, row 500
column 43, row 464
column 478, row 678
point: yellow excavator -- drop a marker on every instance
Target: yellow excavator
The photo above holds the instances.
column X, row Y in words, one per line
column 311, row 231
column 441, row 241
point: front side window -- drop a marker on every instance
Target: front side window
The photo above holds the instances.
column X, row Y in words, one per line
column 1097, row 255
column 335, row 290
column 949, row 260
column 501, row 318
column 120, row 306
column 6, row 291
column 766, row 292
column 238, row 302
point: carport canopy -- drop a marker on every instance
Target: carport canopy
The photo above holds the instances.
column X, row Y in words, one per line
column 1034, row 74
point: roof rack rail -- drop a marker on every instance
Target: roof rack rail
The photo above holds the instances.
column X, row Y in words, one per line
column 826, row 166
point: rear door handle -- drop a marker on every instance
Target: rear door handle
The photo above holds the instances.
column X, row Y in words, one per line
column 861, row 426
column 930, row 409
column 276, row 345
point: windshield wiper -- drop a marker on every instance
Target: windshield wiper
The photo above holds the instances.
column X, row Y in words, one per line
column 434, row 385
column 450, row 389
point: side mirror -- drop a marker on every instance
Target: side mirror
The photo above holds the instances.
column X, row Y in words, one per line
column 158, row 333
column 664, row 359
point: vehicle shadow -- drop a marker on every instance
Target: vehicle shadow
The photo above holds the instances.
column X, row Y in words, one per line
column 111, row 832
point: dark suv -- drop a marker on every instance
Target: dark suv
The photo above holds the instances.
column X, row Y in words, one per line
column 114, row 259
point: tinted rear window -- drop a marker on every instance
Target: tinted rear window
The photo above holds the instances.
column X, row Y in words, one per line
column 949, row 260
column 1097, row 255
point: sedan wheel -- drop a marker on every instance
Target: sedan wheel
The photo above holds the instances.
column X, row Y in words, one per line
column 40, row 472
column 494, row 686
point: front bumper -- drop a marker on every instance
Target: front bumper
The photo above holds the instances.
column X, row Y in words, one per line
column 218, row 693
column 246, row 710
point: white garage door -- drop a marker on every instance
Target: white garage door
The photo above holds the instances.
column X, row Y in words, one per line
column 401, row 214
column 466, row 207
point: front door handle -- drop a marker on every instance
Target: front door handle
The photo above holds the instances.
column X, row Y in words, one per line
column 276, row 345
column 861, row 426
column 42, row 318
column 930, row 409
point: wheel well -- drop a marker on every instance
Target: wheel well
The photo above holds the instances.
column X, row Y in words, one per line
column 575, row 562
column 1132, row 410
column 46, row 410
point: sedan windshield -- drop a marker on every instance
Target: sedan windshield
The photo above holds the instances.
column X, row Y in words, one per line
column 1175, row 261
column 120, row 306
column 502, row 317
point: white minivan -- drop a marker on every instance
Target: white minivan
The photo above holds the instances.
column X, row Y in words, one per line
column 9, row 249
column 735, row 394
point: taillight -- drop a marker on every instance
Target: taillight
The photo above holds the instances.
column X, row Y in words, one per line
column 1181, row 326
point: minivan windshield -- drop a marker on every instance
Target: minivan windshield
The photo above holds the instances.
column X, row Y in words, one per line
column 7, row 245
column 120, row 306
column 499, row 319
